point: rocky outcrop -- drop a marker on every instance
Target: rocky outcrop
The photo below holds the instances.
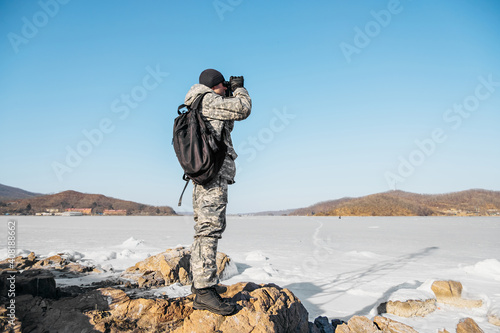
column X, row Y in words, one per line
column 138, row 315
column 261, row 308
column 450, row 293
column 358, row 324
column 169, row 267
column 60, row 264
column 39, row 315
column 391, row 326
column 446, row 292
column 30, row 282
column 494, row 319
column 321, row 325
column 112, row 306
column 446, row 289
column 468, row 325
column 409, row 308
column 18, row 263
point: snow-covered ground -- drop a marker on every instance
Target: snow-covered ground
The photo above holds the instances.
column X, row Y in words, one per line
column 337, row 267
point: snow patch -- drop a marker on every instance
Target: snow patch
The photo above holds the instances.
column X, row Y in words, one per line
column 326, row 290
column 421, row 292
column 102, row 256
column 361, row 292
column 230, row 270
column 489, row 268
column 19, row 252
column 262, row 273
column 132, row 243
column 427, row 286
column 256, row 256
column 362, row 254
column 171, row 291
column 494, row 311
column 107, row 268
column 125, row 254
column 403, row 295
column 72, row 255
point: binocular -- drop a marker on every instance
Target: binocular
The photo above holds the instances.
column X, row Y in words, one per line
column 227, row 84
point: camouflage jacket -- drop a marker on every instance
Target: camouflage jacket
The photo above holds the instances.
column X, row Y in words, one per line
column 220, row 113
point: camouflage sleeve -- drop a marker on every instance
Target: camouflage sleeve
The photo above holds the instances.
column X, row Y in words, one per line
column 237, row 107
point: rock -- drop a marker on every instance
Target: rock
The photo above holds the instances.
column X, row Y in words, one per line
column 358, row 324
column 139, row 315
column 223, row 263
column 40, row 315
column 337, row 322
column 313, row 328
column 36, row 283
column 56, row 263
column 32, row 257
column 410, row 308
column 169, row 267
column 468, row 325
column 450, row 293
column 19, row 263
column 445, row 289
column 461, row 303
column 444, row 330
column 494, row 319
column 161, row 269
column 151, row 279
column 391, row 326
column 323, row 325
column 76, row 268
column 31, row 282
column 8, row 320
column 262, row 308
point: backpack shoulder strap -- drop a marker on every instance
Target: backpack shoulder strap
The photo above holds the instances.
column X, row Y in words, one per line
column 179, row 109
column 193, row 106
column 197, row 101
column 187, row 182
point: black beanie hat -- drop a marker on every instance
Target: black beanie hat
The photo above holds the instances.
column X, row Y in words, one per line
column 211, row 77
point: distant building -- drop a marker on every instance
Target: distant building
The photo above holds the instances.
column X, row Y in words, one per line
column 114, row 212
column 84, row 211
column 74, row 213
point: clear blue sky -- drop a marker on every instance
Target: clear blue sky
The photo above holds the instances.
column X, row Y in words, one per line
column 350, row 98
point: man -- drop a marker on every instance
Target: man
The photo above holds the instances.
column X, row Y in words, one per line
column 210, row 200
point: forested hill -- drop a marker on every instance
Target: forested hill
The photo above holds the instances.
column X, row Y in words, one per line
column 9, row 192
column 88, row 203
column 399, row 203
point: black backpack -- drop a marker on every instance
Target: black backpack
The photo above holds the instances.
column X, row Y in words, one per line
column 200, row 154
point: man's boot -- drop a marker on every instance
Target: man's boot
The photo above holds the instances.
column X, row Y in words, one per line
column 209, row 299
column 219, row 288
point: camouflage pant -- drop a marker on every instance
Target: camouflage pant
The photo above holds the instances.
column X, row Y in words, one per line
column 209, row 206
